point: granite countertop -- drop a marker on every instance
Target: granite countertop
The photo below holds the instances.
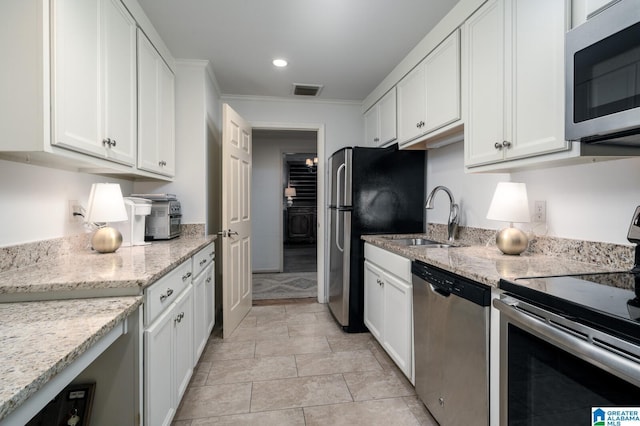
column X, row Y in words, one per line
column 123, row 273
column 40, row 339
column 485, row 264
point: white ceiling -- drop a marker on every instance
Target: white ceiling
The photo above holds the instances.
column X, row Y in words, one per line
column 348, row 46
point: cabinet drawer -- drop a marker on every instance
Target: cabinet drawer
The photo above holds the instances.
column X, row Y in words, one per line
column 203, row 258
column 394, row 263
column 161, row 294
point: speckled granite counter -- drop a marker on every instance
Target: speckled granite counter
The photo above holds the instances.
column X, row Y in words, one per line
column 40, row 339
column 486, row 264
column 85, row 273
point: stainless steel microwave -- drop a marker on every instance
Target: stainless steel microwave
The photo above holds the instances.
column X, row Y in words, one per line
column 603, row 77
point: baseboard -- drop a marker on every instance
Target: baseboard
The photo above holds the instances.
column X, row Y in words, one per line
column 266, row 271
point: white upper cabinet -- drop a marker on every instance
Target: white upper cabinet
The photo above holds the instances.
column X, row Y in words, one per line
column 156, row 111
column 513, row 53
column 94, row 70
column 380, row 121
column 429, row 96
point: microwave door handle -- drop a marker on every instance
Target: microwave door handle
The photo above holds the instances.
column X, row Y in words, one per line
column 338, row 192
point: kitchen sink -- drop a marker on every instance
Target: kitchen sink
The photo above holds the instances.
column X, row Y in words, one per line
column 419, row 242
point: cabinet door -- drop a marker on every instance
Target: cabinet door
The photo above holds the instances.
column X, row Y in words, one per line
column 387, row 114
column 411, row 105
column 156, row 133
column 159, row 390
column 76, row 74
column 371, row 127
column 200, row 316
column 94, row 56
column 210, row 295
column 484, row 83
column 119, row 88
column 374, row 300
column 535, row 55
column 398, row 322
column 442, row 82
column 183, row 317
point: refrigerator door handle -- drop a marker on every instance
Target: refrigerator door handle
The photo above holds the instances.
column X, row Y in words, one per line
column 338, row 194
column 338, row 200
column 338, row 214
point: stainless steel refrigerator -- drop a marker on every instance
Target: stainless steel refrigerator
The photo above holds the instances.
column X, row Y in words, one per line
column 372, row 191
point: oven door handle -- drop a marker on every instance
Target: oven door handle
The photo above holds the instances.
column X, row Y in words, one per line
column 589, row 350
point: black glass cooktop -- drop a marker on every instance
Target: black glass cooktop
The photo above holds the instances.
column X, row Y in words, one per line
column 606, row 301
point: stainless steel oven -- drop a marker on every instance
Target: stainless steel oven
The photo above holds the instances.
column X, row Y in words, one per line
column 568, row 347
column 603, row 77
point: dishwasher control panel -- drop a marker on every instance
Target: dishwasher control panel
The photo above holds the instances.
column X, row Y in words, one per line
column 447, row 283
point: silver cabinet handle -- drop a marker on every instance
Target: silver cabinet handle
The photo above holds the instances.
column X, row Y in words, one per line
column 498, row 146
column 202, row 262
column 376, row 139
column 163, row 297
column 185, row 276
column 208, row 280
column 179, row 317
column 109, row 142
column 380, row 282
column 506, row 144
column 162, row 163
column 213, row 253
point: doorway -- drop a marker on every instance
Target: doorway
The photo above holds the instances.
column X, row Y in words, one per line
column 284, row 206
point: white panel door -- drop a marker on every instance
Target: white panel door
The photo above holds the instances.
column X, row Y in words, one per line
column 536, row 56
column 183, row 319
column 442, row 74
column 484, row 71
column 159, row 390
column 411, row 105
column 398, row 322
column 236, row 219
column 374, row 300
column 94, row 73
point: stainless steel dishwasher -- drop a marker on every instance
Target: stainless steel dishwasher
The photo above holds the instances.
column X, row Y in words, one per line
column 451, row 338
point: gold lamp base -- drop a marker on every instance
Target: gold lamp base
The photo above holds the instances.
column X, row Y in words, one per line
column 512, row 241
column 106, row 240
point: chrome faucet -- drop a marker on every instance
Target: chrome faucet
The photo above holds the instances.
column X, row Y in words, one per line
column 454, row 219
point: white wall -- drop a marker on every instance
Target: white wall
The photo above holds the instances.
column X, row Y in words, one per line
column 191, row 133
column 592, row 201
column 267, row 196
column 344, row 124
column 35, row 201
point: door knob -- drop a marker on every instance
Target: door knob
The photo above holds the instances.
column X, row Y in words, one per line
column 230, row 232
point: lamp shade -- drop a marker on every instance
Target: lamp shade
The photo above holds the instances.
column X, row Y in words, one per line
column 289, row 192
column 510, row 203
column 106, row 203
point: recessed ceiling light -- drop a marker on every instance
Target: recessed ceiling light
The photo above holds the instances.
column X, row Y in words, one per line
column 280, row 63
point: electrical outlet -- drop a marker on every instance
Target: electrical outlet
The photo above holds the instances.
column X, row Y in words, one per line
column 540, row 211
column 75, row 212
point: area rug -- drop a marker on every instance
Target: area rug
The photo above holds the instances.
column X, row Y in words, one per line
column 288, row 285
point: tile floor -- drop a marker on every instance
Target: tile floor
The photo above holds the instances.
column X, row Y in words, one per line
column 290, row 364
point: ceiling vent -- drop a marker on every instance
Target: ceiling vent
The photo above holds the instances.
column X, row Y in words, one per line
column 306, row 89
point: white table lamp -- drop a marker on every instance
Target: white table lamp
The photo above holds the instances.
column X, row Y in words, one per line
column 289, row 192
column 106, row 205
column 510, row 204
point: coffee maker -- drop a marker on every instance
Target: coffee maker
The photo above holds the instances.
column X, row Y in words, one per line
column 133, row 229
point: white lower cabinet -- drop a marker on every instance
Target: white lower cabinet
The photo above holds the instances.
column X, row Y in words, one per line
column 168, row 359
column 388, row 305
column 179, row 317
